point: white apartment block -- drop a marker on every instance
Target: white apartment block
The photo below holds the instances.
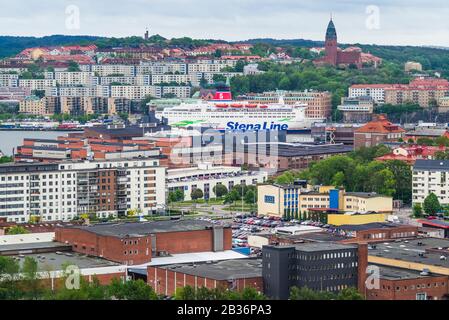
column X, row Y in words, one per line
column 37, row 84
column 135, row 92
column 206, row 177
column 75, row 78
column 94, row 91
column 161, row 68
column 106, row 70
column 430, row 176
column 174, row 78
column 65, row 190
column 181, row 92
column 9, row 80
column 205, row 67
column 139, row 80
column 375, row 91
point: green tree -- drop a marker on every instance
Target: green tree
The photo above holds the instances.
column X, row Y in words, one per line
column 441, row 155
column 425, row 142
column 350, row 294
column 305, row 293
column 431, row 204
column 73, row 67
column 176, row 196
column 338, row 179
column 33, row 286
column 196, row 194
column 17, row 230
column 131, row 290
column 185, row 293
column 250, row 197
column 442, row 141
column 220, row 190
column 6, row 159
column 417, row 211
column 9, row 271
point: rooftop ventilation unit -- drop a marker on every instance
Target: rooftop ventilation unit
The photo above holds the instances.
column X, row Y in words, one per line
column 425, row 272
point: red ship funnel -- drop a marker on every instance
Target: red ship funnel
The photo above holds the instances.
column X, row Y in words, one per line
column 223, row 96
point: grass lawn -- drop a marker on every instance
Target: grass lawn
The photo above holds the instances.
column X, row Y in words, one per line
column 215, row 201
column 237, row 206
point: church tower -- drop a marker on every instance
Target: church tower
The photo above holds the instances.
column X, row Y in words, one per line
column 331, row 44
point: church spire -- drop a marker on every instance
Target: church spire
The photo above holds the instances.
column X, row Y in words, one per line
column 331, row 32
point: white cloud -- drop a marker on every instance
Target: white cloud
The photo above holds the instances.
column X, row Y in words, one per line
column 401, row 22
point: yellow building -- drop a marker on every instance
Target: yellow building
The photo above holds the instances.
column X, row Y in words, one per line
column 36, row 54
column 297, row 200
column 355, row 219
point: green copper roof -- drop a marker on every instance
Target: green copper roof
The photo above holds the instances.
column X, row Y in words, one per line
column 331, row 32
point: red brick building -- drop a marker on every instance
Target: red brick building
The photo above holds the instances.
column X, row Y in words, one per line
column 229, row 274
column 404, row 284
column 378, row 131
column 334, row 55
column 137, row 243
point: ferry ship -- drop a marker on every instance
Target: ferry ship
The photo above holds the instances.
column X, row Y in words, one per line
column 223, row 113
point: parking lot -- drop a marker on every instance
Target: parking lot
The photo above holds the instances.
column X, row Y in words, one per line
column 247, row 224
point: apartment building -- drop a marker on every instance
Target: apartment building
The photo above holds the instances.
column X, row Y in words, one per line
column 424, row 91
column 135, row 92
column 9, row 80
column 82, row 105
column 65, row 190
column 138, row 80
column 430, row 176
column 106, row 70
column 374, row 91
column 206, row 67
column 319, row 104
column 161, row 68
column 182, row 92
column 37, row 84
column 75, row 78
column 175, row 78
column 45, row 107
column 14, row 93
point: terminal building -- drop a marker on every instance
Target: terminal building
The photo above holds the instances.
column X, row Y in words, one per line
column 207, row 176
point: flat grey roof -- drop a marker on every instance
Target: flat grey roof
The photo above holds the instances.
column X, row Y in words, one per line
column 366, row 194
column 316, row 246
column 31, row 246
column 321, row 237
column 410, row 251
column 136, row 229
column 437, row 165
column 323, row 246
column 392, row 273
column 56, row 262
column 368, row 226
column 221, row 270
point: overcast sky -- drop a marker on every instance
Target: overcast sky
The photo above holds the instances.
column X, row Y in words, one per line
column 404, row 22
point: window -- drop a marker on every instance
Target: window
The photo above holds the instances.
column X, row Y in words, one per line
column 421, row 296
